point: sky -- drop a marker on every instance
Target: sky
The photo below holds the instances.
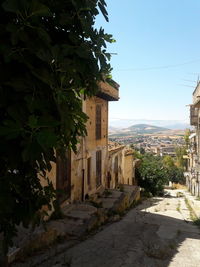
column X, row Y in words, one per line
column 158, row 57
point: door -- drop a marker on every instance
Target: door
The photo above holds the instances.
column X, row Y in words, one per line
column 116, row 171
column 63, row 176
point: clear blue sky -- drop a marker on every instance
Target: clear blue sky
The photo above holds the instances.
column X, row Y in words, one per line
column 152, row 34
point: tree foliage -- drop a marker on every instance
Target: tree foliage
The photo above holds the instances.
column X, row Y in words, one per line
column 151, row 174
column 154, row 172
column 173, row 172
column 168, row 162
column 51, row 57
column 180, row 161
column 186, row 137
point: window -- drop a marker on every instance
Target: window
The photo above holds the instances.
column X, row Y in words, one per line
column 89, row 171
column 98, row 122
column 98, row 168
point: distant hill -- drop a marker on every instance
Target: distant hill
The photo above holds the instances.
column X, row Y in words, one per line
column 145, row 129
column 112, row 130
column 179, row 126
column 138, row 129
column 169, row 124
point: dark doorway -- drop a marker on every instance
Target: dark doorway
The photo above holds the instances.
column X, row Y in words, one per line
column 63, row 176
column 98, row 167
column 83, row 185
column 108, row 179
column 116, row 171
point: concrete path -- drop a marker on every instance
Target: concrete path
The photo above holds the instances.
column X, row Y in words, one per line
column 159, row 232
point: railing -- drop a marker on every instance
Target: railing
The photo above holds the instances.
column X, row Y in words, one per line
column 193, row 116
column 197, row 168
column 192, row 148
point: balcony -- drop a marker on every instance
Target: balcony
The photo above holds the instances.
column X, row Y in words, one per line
column 193, row 115
column 109, row 91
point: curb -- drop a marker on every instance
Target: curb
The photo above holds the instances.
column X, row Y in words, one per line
column 191, row 202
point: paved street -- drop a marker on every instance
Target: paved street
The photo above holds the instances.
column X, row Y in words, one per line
column 159, row 232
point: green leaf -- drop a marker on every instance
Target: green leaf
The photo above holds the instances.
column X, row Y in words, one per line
column 38, row 9
column 10, row 130
column 49, row 62
column 32, row 121
column 103, row 10
column 15, row 6
column 46, row 138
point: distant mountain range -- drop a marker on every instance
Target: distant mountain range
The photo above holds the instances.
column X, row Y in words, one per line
column 145, row 128
column 169, row 124
column 137, row 129
column 140, row 129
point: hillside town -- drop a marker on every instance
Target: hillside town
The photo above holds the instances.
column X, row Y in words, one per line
column 159, row 144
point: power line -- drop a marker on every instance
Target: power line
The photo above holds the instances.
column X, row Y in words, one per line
column 189, row 81
column 186, row 85
column 160, row 67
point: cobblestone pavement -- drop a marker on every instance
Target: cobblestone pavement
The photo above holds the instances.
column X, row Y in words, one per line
column 159, row 232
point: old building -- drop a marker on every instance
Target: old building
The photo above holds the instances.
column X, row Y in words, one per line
column 191, row 163
column 167, row 150
column 193, row 175
column 121, row 166
column 129, row 167
column 115, row 165
column 82, row 174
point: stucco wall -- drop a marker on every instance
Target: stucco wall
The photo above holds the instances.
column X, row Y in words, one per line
column 113, row 154
column 87, row 149
column 91, row 142
column 126, row 166
column 128, row 169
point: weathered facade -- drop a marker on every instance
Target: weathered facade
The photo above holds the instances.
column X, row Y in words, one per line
column 121, row 166
column 115, row 165
column 82, row 174
column 129, row 167
column 193, row 175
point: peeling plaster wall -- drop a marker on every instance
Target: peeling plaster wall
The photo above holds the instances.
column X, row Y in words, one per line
column 111, row 167
column 126, row 166
column 192, row 179
column 128, row 169
column 87, row 149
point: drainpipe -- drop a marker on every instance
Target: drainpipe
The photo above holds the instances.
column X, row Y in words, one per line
column 83, row 157
column 83, row 172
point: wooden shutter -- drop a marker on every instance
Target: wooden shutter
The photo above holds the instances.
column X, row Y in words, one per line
column 98, row 121
column 89, row 171
column 63, row 175
column 98, row 168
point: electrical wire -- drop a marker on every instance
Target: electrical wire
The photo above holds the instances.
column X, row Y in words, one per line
column 160, row 67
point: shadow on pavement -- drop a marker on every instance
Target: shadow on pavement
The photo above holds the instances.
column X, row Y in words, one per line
column 140, row 239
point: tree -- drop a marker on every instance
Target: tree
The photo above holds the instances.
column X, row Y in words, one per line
column 186, row 137
column 154, row 172
column 180, row 161
column 151, row 174
column 168, row 162
column 173, row 173
column 142, row 150
column 51, row 57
